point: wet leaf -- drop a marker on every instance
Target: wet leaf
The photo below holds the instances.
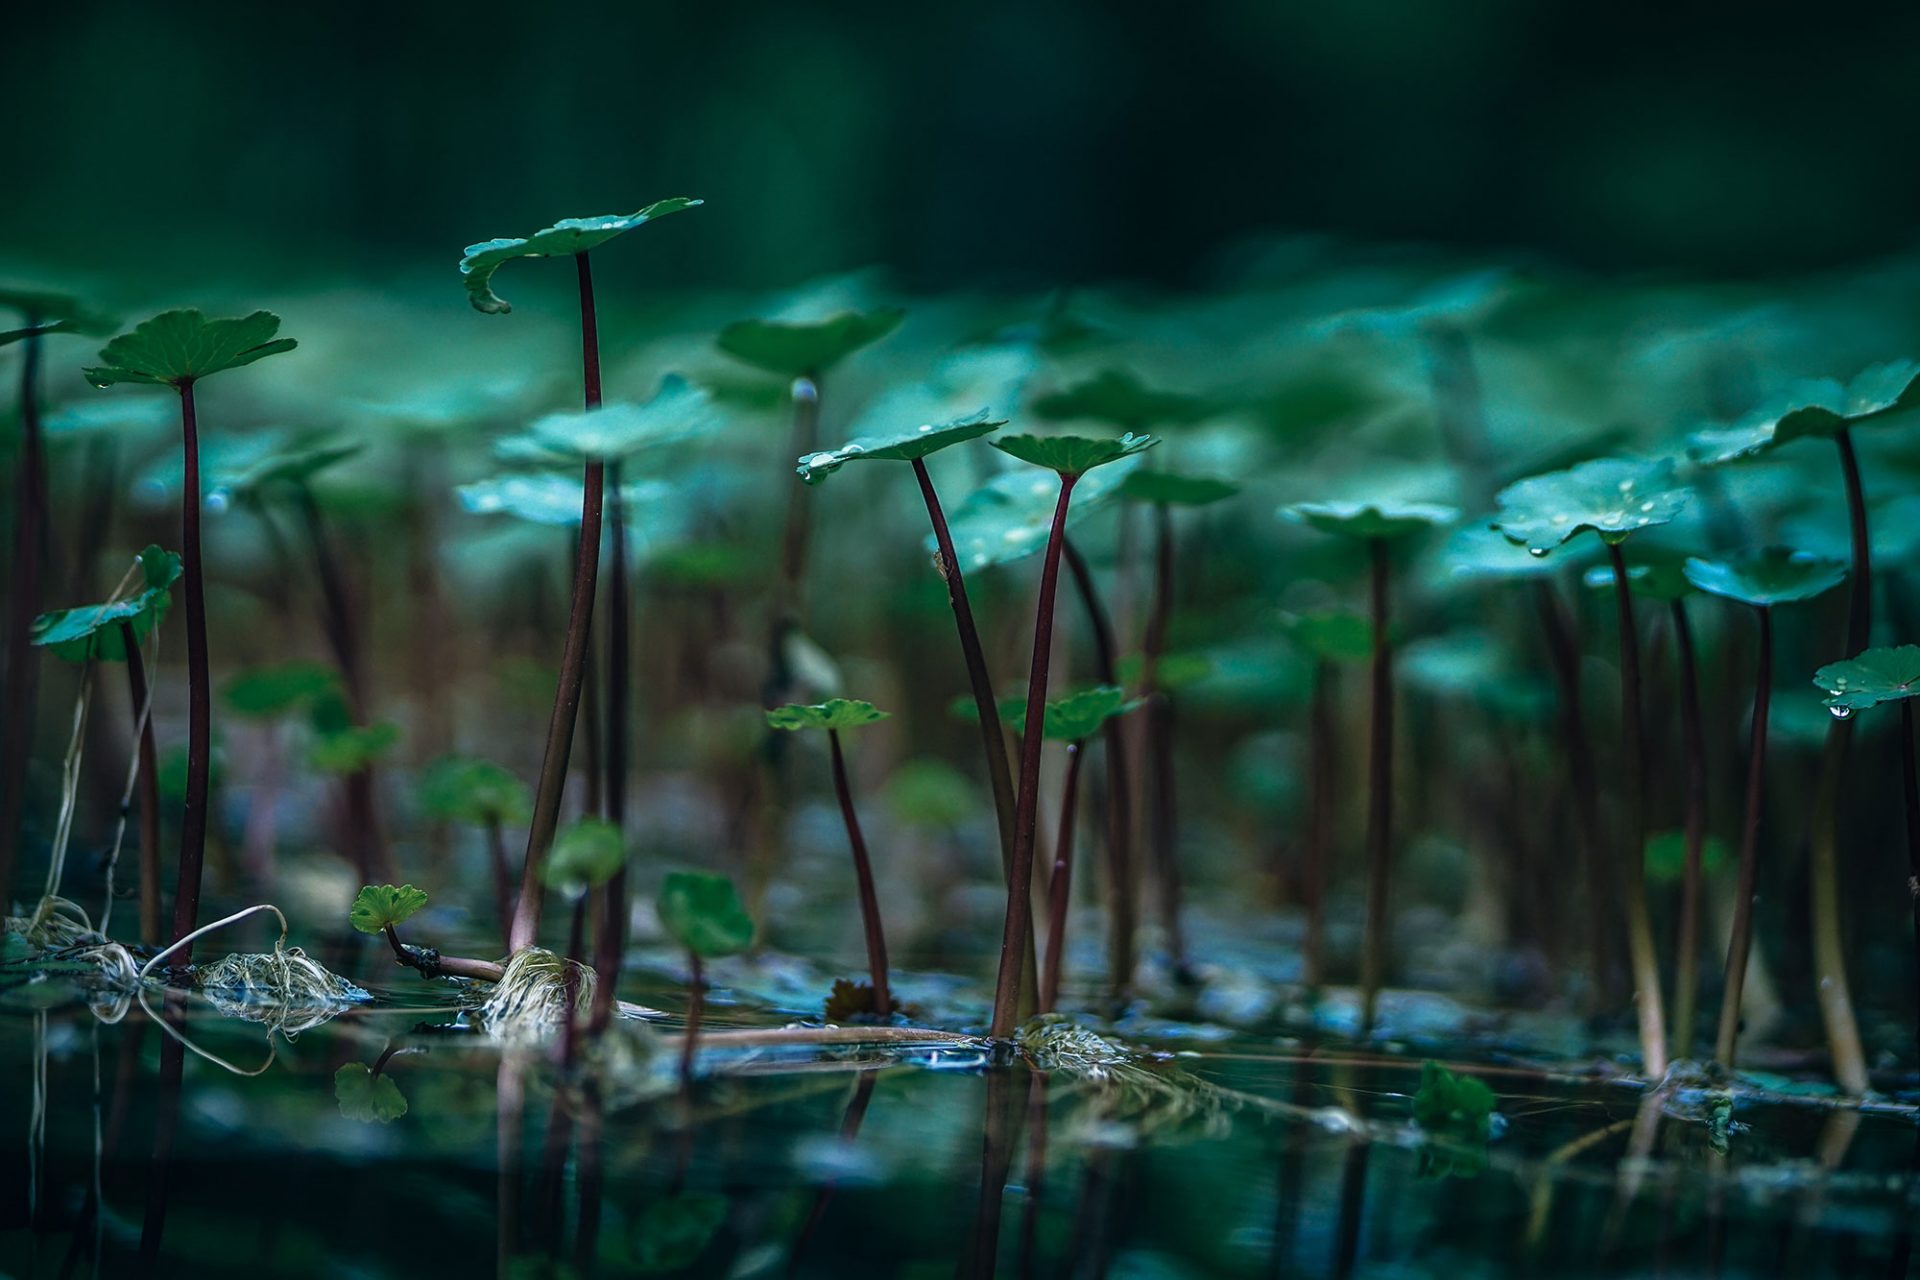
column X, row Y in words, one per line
column 351, row 749
column 1075, row 717
column 1450, row 1105
column 834, row 713
column 550, row 498
column 1667, row 856
column 678, row 414
column 93, row 631
column 1769, row 576
column 49, row 311
column 671, row 1234
column 1119, row 399
column 365, row 1097
column 1614, row 497
column 1072, row 455
column 1009, row 518
column 290, row 467
column 1662, row 578
column 585, row 855
column 704, row 914
column 897, row 446
column 1870, row 678
column 378, row 906
column 476, row 792
column 1818, row 407
column 264, row 693
column 183, row 346
column 796, row 349
column 565, row 237
column 1371, row 519
column 1480, row 552
column 1332, row 635
column 1167, row 488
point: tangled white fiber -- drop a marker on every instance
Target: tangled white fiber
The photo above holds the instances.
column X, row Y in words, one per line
column 531, row 997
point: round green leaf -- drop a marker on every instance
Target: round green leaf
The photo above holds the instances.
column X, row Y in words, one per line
column 1071, row 455
column 93, row 631
column 932, row 792
column 287, row 468
column 1011, row 516
column 585, row 855
column 1887, row 674
column 1167, row 488
column 1371, row 519
column 567, row 236
column 796, row 349
column 351, row 749
column 476, row 792
column 1817, row 407
column 678, row 413
column 1075, row 717
column 1614, row 497
column 264, row 693
column 1172, row 671
column 835, row 713
column 182, row 346
column 896, row 446
column 1119, row 399
column 547, row 497
column 1450, row 1105
column 704, row 914
column 1479, row 552
column 378, row 906
column 1331, row 635
column 1769, row 576
column 365, row 1097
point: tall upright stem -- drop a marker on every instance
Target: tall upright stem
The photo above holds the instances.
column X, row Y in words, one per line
column 1829, row 948
column 193, row 822
column 1641, row 953
column 29, row 557
column 573, row 657
column 1319, row 823
column 696, row 1007
column 1379, row 790
column 1166, row 863
column 1910, row 793
column 1563, row 650
column 147, row 784
column 790, row 607
column 1740, row 946
column 1123, row 891
column 1019, row 922
column 863, row 875
column 1693, row 744
column 1060, row 886
column 610, row 930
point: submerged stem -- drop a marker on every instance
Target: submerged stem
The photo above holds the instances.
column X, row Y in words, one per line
column 1374, row 958
column 193, row 822
column 1693, row 744
column 863, row 875
column 1641, row 952
column 1741, row 944
column 1060, row 886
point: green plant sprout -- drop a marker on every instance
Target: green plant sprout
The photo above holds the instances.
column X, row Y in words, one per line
column 1811, row 410
column 177, row 349
column 703, row 913
column 1615, row 498
column 479, row 793
column 578, row 237
column 382, row 908
column 1068, row 457
column 1455, row 1112
column 833, row 716
column 1163, row 491
column 1377, row 526
column 1867, row 680
column 1763, row 579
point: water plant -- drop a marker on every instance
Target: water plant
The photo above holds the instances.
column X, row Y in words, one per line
column 833, row 716
column 1763, row 579
column 177, row 349
column 703, row 913
column 382, row 908
column 1377, row 526
column 481, row 794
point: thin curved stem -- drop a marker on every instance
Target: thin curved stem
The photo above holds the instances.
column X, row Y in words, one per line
column 610, row 929
column 1641, row 952
column 149, row 789
column 193, row 822
column 1693, row 745
column 863, row 875
column 1740, row 947
column 1060, row 887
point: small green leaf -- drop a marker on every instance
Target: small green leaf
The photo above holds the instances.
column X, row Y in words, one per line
column 1818, row 407
column 1667, row 856
column 378, row 906
column 800, row 349
column 476, row 792
column 1769, row 576
column 48, row 311
column 349, row 750
column 550, row 498
column 678, row 414
column 1614, row 497
column 671, row 1234
column 1167, row 488
column 288, row 468
column 1870, row 678
column 932, row 792
column 93, row 631
column 567, row 236
column 896, row 446
column 1663, row 578
column 1010, row 517
column 835, row 713
column 1172, row 671
column 1455, row 1106
column 365, row 1097
column 1076, row 717
column 704, row 914
column 1071, row 455
column 182, row 346
column 1119, row 399
column 1371, row 519
column 1478, row 552
column 1332, row 636
column 584, row 856
column 265, row 693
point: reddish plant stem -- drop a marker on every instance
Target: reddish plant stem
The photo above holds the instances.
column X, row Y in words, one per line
column 1019, row 921
column 696, row 1008
column 1640, row 948
column 1564, row 653
column 1910, row 793
column 1693, row 744
column 576, row 943
column 193, row 823
column 1322, row 769
column 1123, row 890
column 29, row 558
column 1740, row 946
column 610, row 928
column 1374, row 959
column 863, row 875
column 502, row 875
column 1166, row 862
column 850, row 1123
column 573, row 657
column 1060, row 886
column 147, row 785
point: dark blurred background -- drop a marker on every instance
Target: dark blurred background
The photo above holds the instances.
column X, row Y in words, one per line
column 1017, row 143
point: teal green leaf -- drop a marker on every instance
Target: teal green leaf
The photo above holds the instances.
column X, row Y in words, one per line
column 351, row 749
column 1010, row 517
column 1450, row 1105
column 585, row 855
column 1769, row 576
column 1119, row 399
column 49, row 311
column 182, row 346
column 546, row 497
column 475, row 792
column 1371, row 519
column 1871, row 678
column 1071, row 455
column 1173, row 670
column 932, row 792
column 565, row 237
column 796, row 349
column 1479, row 553
column 1331, row 635
column 835, row 713
column 93, row 631
column 264, row 693
column 678, row 414
column 704, row 914
column 365, row 1097
column 379, row 906
column 1614, row 497
column 1075, row 717
column 1667, row 856
column 1662, row 578
column 1167, row 488
column 1818, row 407
column 896, row 446
column 287, row 469
column 670, row 1235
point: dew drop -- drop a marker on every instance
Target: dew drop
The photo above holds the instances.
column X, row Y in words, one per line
column 1841, row 711
column 1538, row 553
